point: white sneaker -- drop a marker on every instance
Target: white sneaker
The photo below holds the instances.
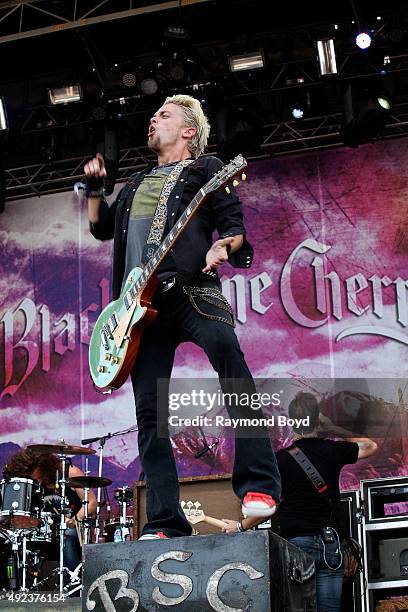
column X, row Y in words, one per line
column 258, row 505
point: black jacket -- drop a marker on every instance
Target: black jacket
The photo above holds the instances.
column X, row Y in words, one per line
column 220, row 211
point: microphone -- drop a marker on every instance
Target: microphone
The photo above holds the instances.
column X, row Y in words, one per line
column 111, row 158
column 112, row 168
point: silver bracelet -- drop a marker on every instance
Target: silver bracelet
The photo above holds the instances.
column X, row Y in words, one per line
column 240, row 527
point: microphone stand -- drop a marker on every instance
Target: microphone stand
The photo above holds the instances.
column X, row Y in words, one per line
column 207, row 447
column 102, row 441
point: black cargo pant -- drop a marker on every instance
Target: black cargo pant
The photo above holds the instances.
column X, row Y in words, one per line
column 255, row 467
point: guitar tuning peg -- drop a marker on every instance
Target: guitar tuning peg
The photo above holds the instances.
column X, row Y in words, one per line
column 182, row 503
column 228, row 190
column 244, row 176
column 235, row 183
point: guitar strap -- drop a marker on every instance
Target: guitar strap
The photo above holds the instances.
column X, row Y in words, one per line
column 155, row 235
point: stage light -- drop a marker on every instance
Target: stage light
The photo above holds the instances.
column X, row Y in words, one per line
column 298, row 113
column 98, row 113
column 384, row 102
column 386, row 65
column 298, row 80
column 149, row 86
column 129, row 79
column 3, row 116
column 176, row 32
column 177, row 72
column 247, row 61
column 65, row 95
column 363, row 40
column 326, row 56
column 365, row 116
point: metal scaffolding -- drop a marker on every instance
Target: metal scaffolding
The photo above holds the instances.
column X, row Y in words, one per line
column 281, row 138
column 16, row 15
column 271, row 88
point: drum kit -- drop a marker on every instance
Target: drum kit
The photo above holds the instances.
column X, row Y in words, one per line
column 31, row 525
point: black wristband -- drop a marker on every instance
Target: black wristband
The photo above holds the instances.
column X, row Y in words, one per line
column 228, row 247
column 94, row 187
column 95, row 193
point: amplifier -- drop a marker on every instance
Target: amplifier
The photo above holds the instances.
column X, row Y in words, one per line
column 210, row 496
column 393, row 556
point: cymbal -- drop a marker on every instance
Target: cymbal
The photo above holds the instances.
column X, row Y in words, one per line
column 61, row 449
column 89, row 482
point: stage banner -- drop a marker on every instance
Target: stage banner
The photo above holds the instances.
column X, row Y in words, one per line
column 323, row 307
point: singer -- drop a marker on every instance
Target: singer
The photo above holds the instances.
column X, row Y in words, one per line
column 190, row 304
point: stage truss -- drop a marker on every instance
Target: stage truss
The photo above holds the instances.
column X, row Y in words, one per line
column 283, row 138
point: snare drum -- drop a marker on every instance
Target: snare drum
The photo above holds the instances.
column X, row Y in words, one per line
column 113, row 532
column 20, row 503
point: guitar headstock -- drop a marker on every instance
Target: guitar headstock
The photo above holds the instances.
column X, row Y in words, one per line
column 195, row 517
column 228, row 172
column 193, row 512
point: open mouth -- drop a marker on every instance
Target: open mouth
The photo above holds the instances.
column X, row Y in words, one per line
column 151, row 132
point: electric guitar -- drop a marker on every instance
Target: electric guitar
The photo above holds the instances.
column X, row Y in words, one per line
column 115, row 339
column 195, row 514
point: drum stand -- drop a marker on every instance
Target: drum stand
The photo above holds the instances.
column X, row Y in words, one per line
column 102, row 442
column 61, row 483
column 124, row 497
column 74, row 578
column 14, row 563
column 87, row 521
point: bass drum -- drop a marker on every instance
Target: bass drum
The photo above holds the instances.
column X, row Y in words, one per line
column 114, row 532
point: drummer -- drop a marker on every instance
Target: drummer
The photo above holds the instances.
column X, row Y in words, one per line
column 46, row 469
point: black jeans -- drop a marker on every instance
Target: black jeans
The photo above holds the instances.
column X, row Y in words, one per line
column 255, row 467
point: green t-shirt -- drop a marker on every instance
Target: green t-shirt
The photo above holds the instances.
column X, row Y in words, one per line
column 140, row 218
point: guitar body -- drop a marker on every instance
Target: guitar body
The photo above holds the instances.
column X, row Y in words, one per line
column 110, row 364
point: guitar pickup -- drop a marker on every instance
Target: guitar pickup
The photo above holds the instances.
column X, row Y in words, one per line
column 107, row 331
column 128, row 300
column 112, row 322
column 105, row 340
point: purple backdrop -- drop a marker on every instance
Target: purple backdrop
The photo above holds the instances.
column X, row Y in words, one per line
column 325, row 299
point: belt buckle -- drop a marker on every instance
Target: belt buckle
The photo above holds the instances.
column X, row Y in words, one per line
column 167, row 284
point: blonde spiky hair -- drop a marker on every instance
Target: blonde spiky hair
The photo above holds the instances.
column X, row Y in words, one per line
column 194, row 117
